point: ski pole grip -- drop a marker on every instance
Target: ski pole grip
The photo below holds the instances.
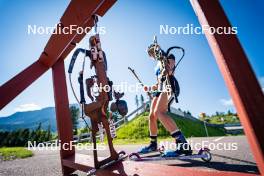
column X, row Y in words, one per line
column 80, row 80
column 74, row 57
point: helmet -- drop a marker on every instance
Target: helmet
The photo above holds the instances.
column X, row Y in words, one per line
column 152, row 50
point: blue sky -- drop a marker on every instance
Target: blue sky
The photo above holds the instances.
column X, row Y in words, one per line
column 130, row 26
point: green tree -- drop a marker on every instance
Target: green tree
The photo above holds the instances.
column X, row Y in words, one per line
column 38, row 133
column 84, row 130
column 25, row 136
column 19, row 138
column 49, row 135
column 229, row 112
column 188, row 112
column 7, row 141
column 142, row 99
column 75, row 114
column 136, row 102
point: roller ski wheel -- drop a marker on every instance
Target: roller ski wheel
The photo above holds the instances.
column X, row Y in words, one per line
column 134, row 156
column 161, row 149
column 207, row 153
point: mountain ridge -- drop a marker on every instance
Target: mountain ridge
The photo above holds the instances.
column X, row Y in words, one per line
column 31, row 119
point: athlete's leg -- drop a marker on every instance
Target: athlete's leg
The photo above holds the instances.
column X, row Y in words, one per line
column 153, row 129
column 153, row 126
column 161, row 113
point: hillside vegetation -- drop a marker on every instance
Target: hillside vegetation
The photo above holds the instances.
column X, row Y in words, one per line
column 22, row 136
column 221, row 118
column 13, row 153
column 138, row 128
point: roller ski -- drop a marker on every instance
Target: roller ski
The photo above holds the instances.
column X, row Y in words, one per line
column 183, row 151
column 122, row 156
column 203, row 154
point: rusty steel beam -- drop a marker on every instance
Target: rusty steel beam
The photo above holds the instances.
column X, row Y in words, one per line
column 20, row 82
column 244, row 90
column 150, row 169
column 238, row 75
column 79, row 12
column 85, row 163
column 63, row 116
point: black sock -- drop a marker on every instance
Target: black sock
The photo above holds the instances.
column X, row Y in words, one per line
column 181, row 141
column 176, row 134
column 153, row 139
column 179, row 138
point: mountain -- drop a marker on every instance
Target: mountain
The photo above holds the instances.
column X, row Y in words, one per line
column 31, row 120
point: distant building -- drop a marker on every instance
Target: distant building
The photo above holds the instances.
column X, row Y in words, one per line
column 182, row 114
column 202, row 115
column 235, row 128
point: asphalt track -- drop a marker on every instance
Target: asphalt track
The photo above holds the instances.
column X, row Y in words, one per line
column 236, row 159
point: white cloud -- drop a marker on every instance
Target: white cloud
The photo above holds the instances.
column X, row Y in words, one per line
column 261, row 82
column 27, row 107
column 227, row 102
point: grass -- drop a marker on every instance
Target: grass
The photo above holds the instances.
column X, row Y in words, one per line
column 118, row 141
column 221, row 118
column 10, row 153
column 137, row 131
column 224, row 119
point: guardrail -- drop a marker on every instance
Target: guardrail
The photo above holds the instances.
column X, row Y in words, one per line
column 125, row 119
column 86, row 137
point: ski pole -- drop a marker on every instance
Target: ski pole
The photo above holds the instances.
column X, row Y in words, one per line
column 136, row 76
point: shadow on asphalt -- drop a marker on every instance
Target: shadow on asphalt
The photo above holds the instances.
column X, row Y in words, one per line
column 220, row 166
column 235, row 159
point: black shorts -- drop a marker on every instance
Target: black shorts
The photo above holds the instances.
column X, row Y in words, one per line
column 174, row 86
column 156, row 94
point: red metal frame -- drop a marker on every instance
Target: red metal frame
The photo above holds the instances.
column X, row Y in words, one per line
column 20, row 82
column 238, row 75
column 232, row 61
column 63, row 117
